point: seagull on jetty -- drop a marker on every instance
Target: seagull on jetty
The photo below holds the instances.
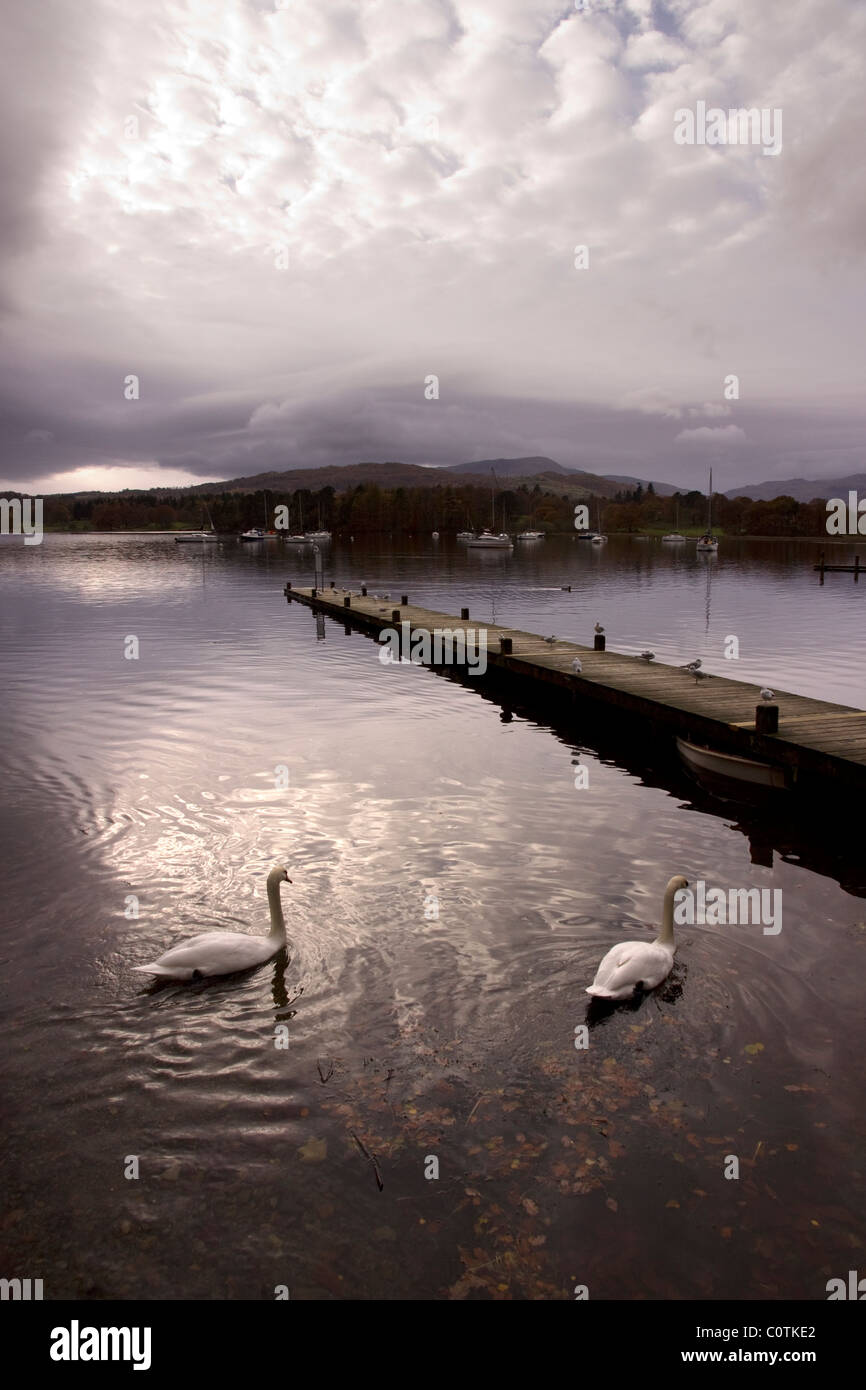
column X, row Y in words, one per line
column 550, row 639
column 692, row 666
column 768, row 694
column 701, row 676
column 577, row 665
column 647, row 656
column 598, row 629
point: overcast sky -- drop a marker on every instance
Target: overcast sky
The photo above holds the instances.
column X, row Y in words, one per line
column 325, row 201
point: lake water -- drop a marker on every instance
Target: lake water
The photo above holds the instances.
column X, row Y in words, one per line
column 411, row 1037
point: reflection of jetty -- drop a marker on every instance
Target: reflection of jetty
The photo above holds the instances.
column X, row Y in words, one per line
column 856, row 569
column 815, row 740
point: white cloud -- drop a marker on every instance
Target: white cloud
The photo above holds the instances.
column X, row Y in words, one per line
column 727, row 435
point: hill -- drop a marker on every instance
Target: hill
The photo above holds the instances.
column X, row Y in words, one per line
column 802, row 489
column 570, row 482
column 662, row 489
column 508, row 468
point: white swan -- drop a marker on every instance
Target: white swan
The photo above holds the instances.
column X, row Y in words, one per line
column 224, row 952
column 636, row 965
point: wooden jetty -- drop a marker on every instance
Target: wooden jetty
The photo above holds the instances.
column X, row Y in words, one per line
column 814, row 741
column 856, row 569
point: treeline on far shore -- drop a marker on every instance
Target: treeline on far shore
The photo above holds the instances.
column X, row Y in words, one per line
column 368, row 509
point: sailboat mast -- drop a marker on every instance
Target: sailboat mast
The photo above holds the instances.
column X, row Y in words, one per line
column 710, row 505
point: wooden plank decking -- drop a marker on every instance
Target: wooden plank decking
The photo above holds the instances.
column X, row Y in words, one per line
column 815, row 739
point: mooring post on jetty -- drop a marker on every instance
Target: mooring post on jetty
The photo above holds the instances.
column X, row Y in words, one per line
column 598, row 644
column 404, row 599
column 505, row 645
column 766, row 719
column 464, row 613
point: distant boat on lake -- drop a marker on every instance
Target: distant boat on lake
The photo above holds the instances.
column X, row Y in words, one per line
column 489, row 540
column 675, row 538
column 198, row 537
column 708, row 541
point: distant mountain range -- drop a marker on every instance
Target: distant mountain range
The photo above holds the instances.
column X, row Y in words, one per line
column 802, row 489
column 531, row 470
column 544, row 471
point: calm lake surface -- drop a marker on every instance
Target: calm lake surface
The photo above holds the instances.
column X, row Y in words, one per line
column 411, row 1037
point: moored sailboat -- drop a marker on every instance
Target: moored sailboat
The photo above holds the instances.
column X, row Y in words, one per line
column 708, row 542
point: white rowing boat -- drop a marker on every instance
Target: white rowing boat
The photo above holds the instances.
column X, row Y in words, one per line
column 730, row 765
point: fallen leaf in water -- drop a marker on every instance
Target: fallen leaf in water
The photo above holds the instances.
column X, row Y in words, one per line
column 753, row 1048
column 313, row 1151
column 611, row 1204
column 528, row 1205
column 799, row 1088
column 726, row 1232
column 672, row 1203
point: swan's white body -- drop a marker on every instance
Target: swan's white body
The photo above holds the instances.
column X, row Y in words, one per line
column 644, row 964
column 225, row 952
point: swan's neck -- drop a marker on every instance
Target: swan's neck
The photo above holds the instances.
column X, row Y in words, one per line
column 278, row 921
column 666, row 935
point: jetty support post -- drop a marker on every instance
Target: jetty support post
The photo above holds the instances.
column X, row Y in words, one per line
column 598, row 644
